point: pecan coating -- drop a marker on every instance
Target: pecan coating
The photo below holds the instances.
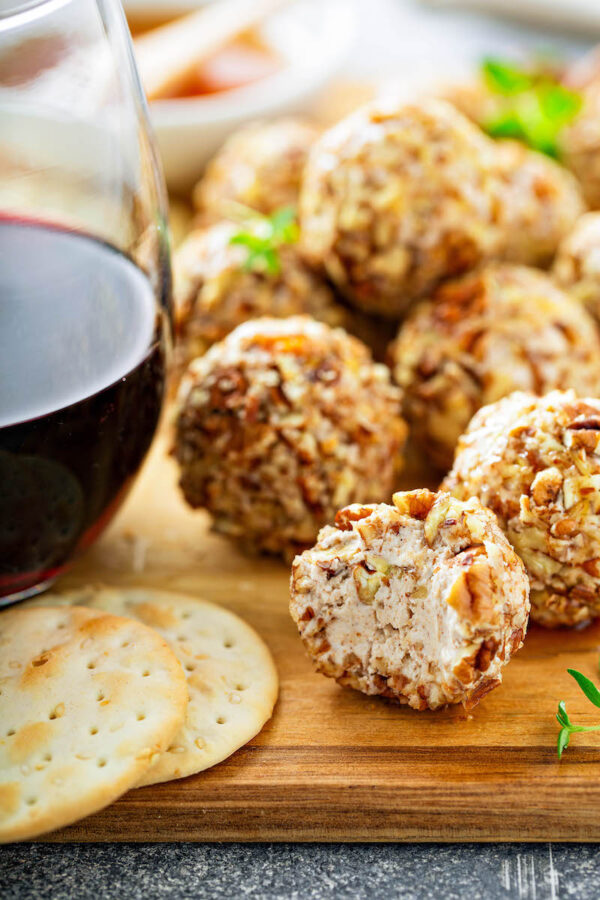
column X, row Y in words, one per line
column 580, row 141
column 577, row 263
column 541, row 202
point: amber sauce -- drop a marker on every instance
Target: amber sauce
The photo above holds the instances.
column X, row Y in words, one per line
column 245, row 60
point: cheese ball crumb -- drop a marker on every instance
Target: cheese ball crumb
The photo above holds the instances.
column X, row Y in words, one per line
column 395, row 198
column 536, row 463
column 259, row 166
column 214, row 291
column 281, row 424
column 494, row 331
column 577, row 263
column 424, row 601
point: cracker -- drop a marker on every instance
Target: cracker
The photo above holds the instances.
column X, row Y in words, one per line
column 232, row 680
column 88, row 701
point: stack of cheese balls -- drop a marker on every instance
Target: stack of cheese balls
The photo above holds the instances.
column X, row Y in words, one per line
column 476, row 257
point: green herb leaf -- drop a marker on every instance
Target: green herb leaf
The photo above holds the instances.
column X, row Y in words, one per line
column 558, row 103
column 562, row 715
column 283, row 217
column 506, row 126
column 271, row 259
column 531, row 106
column 562, row 743
column 263, row 236
column 566, row 726
column 588, row 687
column 504, row 77
column 246, row 239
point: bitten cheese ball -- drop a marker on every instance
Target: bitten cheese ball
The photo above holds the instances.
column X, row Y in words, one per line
column 281, row 424
column 494, row 331
column 396, row 198
column 259, row 166
column 536, row 463
column 214, row 292
column 423, row 601
column 540, row 203
column 577, row 263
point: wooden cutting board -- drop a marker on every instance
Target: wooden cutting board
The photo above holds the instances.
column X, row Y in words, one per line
column 333, row 764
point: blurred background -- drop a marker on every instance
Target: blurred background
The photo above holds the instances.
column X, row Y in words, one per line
column 323, row 57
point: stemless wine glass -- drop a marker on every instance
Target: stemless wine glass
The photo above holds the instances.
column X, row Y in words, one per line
column 84, row 282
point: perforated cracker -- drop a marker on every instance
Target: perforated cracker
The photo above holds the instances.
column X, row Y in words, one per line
column 232, row 680
column 88, row 701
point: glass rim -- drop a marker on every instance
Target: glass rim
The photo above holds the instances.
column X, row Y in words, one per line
column 28, row 11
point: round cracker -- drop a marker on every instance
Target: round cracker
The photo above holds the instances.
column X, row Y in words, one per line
column 88, row 702
column 232, row 679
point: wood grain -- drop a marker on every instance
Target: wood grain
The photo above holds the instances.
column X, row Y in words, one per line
column 332, row 764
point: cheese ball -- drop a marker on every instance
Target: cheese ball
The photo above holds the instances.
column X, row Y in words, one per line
column 577, row 263
column 536, row 463
column 424, row 601
column 473, row 99
column 259, row 166
column 396, row 198
column 494, row 331
column 580, row 141
column 282, row 423
column 214, row 292
column 581, row 148
column 541, row 202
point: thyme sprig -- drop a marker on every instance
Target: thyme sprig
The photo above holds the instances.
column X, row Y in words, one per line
column 567, row 728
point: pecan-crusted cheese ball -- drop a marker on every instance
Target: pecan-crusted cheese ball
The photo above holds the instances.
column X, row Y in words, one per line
column 423, row 601
column 536, row 463
column 580, row 141
column 494, row 331
column 473, row 99
column 397, row 197
column 577, row 263
column 259, row 165
column 581, row 147
column 540, row 203
column 281, row 424
column 214, row 292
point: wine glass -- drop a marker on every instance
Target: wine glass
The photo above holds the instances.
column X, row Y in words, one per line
column 84, row 282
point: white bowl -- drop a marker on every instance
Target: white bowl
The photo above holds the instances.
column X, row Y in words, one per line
column 313, row 37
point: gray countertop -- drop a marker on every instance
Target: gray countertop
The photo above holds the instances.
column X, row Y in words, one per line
column 303, row 871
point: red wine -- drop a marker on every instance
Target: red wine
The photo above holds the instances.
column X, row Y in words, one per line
column 82, row 373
